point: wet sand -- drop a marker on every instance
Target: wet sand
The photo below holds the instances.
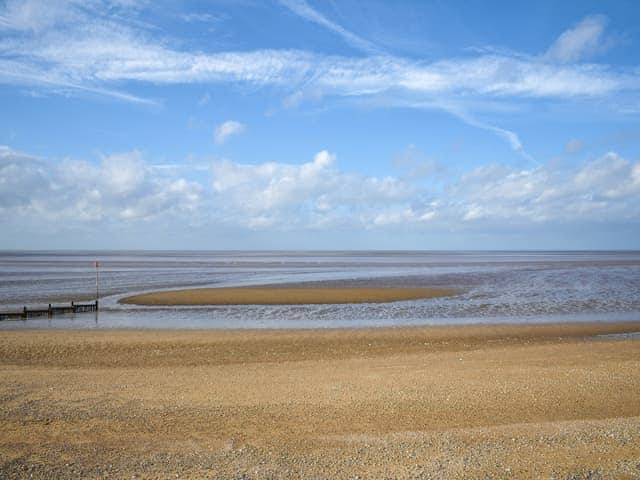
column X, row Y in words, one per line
column 528, row 401
column 283, row 296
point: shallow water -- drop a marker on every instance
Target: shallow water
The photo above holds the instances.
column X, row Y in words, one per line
column 511, row 287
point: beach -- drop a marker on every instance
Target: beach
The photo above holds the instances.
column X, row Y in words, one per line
column 488, row 401
column 319, row 240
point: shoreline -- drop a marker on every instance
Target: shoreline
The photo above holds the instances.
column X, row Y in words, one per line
column 479, row 322
column 615, row 326
column 120, row 347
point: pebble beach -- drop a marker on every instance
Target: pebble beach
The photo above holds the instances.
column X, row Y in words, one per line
column 487, row 401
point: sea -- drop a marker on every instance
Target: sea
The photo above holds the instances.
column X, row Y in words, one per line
column 494, row 286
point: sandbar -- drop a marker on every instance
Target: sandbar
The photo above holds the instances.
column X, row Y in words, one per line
column 284, row 296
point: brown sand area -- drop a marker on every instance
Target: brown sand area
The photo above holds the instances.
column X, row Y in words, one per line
column 284, row 296
column 529, row 401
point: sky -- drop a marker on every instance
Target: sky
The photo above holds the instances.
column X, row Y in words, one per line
column 293, row 124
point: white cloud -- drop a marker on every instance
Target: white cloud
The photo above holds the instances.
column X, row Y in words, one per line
column 581, row 41
column 317, row 193
column 87, row 48
column 123, row 173
column 304, row 10
column 510, row 137
column 201, row 17
column 122, row 187
column 34, row 15
column 603, row 190
column 310, row 194
column 226, row 130
column 124, row 190
column 609, row 177
column 70, row 47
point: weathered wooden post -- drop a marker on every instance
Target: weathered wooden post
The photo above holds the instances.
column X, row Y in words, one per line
column 97, row 264
column 50, row 311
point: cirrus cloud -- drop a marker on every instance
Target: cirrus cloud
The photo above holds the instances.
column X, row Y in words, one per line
column 87, row 46
column 103, row 47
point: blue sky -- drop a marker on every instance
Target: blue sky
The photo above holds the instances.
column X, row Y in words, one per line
column 337, row 125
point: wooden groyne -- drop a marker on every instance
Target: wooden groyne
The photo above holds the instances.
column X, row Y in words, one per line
column 52, row 310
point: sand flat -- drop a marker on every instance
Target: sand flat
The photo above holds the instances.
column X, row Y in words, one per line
column 529, row 401
column 284, row 296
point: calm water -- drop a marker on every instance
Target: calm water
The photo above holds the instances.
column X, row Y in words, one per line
column 497, row 287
